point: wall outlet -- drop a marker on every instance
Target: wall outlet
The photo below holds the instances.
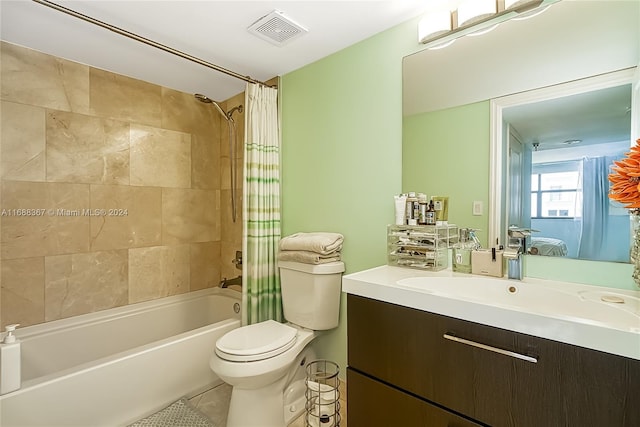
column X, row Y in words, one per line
column 477, row 207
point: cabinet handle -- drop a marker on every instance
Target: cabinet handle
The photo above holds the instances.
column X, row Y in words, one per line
column 450, row 337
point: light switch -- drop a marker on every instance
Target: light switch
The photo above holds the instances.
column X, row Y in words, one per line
column 477, row 207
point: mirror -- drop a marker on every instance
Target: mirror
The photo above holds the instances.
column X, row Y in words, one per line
column 557, row 146
column 533, row 59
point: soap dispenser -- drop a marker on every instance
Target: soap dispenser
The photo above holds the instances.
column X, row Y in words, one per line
column 10, row 368
column 461, row 254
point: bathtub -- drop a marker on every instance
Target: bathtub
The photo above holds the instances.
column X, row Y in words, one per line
column 113, row 367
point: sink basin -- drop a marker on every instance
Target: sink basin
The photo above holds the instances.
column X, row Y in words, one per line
column 613, row 309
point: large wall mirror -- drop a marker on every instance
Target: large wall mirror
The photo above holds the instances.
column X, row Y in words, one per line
column 555, row 147
column 566, row 75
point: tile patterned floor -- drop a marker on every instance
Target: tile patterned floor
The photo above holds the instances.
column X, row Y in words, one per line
column 214, row 403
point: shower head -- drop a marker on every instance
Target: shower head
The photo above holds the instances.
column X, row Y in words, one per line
column 231, row 124
column 203, row 98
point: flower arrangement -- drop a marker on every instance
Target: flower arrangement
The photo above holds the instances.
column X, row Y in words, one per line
column 625, row 188
column 626, row 179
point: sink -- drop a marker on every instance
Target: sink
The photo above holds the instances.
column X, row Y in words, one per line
column 580, row 303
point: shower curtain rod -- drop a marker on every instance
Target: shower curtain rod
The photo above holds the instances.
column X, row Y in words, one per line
column 147, row 41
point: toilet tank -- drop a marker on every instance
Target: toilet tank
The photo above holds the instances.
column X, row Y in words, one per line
column 311, row 293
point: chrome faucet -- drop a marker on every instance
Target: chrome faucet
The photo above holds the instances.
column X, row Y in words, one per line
column 516, row 246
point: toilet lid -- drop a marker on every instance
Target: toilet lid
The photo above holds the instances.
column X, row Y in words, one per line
column 256, row 342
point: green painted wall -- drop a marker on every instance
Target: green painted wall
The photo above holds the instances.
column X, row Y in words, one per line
column 446, row 153
column 342, row 152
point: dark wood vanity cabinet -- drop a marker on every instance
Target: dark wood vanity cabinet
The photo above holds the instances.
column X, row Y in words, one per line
column 372, row 403
column 400, row 356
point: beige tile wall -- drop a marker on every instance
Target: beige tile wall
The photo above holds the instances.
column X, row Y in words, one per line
column 114, row 190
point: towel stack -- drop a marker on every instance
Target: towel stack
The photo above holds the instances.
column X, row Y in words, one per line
column 311, row 248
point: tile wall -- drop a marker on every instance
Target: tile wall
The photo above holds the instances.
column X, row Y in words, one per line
column 113, row 191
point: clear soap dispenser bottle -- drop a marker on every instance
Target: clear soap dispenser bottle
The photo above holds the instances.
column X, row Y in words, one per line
column 461, row 254
column 10, row 368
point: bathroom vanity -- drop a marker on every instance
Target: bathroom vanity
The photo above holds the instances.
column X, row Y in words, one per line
column 447, row 349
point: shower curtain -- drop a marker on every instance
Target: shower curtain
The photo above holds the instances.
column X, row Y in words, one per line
column 261, row 207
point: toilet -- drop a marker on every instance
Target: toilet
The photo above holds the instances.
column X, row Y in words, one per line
column 261, row 360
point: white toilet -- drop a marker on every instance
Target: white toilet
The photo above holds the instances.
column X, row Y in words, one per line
column 260, row 360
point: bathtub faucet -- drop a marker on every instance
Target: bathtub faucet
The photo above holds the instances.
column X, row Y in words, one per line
column 225, row 283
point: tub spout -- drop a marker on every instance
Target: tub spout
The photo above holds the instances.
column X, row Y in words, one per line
column 225, row 283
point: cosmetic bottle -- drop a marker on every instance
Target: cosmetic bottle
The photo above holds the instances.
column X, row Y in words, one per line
column 10, row 362
column 441, row 204
column 430, row 218
column 401, row 206
column 422, row 209
column 412, row 202
column 461, row 253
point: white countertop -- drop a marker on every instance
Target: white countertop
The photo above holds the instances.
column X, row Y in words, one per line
column 546, row 309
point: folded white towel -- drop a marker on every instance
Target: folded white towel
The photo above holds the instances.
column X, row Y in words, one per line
column 322, row 243
column 307, row 257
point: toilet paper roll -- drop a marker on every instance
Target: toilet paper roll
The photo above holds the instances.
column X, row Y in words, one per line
column 321, row 409
column 315, row 421
column 322, row 404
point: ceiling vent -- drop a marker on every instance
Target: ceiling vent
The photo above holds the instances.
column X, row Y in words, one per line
column 276, row 28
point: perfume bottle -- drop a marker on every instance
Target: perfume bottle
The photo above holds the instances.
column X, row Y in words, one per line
column 461, row 253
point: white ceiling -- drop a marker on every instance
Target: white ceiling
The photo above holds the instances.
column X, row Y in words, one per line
column 214, row 31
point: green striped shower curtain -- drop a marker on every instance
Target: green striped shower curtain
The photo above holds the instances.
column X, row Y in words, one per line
column 261, row 208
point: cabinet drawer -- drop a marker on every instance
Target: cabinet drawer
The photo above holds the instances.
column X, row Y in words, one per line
column 565, row 386
column 374, row 404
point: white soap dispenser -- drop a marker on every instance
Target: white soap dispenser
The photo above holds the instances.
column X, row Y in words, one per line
column 10, row 368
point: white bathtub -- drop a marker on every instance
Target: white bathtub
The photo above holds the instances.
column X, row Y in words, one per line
column 113, row 367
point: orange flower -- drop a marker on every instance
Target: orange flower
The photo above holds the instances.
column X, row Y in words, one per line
column 626, row 179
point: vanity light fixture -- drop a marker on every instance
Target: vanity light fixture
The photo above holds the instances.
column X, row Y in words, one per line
column 434, row 24
column 508, row 4
column 441, row 28
column 472, row 11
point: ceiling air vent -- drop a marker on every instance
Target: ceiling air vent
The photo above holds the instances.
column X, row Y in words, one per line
column 276, row 28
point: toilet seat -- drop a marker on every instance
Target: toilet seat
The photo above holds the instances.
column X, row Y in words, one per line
column 256, row 342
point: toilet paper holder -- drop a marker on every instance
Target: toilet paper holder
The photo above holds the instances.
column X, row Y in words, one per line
column 322, row 394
